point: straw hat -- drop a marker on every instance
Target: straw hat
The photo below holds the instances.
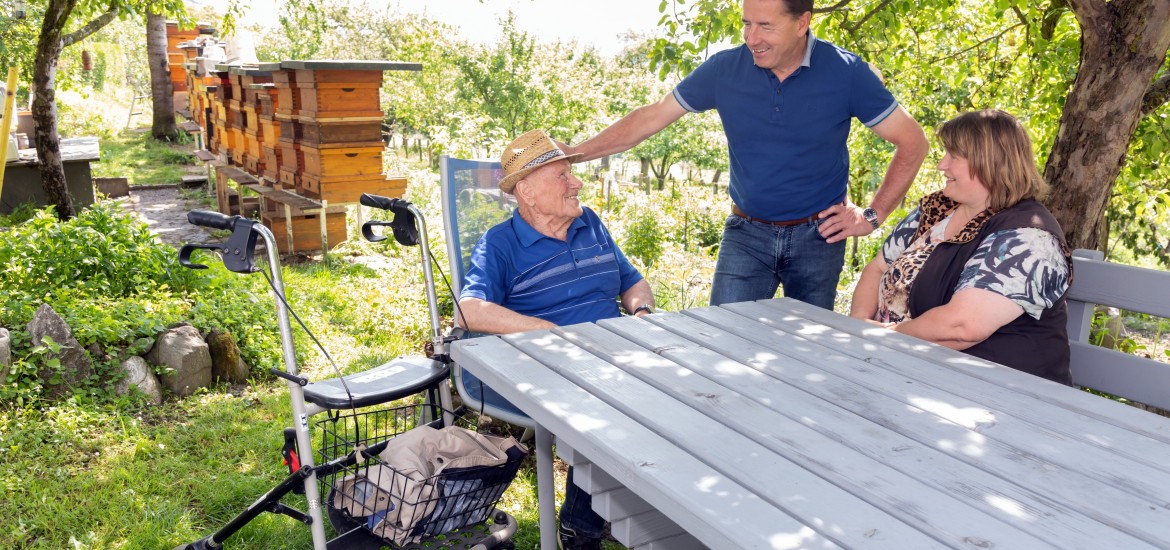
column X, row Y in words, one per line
column 527, row 153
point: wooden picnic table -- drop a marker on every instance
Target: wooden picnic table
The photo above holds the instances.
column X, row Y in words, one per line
column 775, row 424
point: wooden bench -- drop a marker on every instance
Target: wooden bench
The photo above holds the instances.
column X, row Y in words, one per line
column 1097, row 282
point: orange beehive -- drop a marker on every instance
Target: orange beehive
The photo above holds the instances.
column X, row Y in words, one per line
column 341, row 190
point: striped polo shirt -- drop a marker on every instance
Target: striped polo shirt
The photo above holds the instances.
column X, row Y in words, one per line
column 563, row 282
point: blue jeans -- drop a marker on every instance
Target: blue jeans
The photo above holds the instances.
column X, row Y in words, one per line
column 577, row 511
column 756, row 258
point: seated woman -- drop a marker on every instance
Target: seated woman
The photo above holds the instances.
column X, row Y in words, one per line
column 980, row 266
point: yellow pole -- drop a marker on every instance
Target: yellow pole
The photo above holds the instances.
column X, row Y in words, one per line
column 6, row 121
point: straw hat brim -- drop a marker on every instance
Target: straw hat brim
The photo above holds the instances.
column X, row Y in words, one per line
column 508, row 183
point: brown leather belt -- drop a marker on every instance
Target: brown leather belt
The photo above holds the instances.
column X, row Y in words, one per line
column 785, row 223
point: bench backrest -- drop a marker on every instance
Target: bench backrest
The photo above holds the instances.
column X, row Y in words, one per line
column 1097, row 282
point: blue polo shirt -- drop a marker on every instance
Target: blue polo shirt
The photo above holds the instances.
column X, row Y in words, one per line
column 786, row 140
column 577, row 281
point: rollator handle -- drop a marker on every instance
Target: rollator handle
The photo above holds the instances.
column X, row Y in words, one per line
column 405, row 231
column 238, row 253
column 214, row 220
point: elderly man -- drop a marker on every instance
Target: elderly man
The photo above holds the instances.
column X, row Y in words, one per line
column 786, row 99
column 554, row 263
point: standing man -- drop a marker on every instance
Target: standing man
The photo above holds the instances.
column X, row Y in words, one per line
column 553, row 263
column 786, row 99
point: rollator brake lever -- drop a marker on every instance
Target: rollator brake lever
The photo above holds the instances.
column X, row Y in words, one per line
column 185, row 254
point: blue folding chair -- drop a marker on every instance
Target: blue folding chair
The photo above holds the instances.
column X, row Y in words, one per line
column 472, row 204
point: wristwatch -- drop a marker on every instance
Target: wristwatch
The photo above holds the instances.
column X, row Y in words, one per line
column 642, row 307
column 870, row 216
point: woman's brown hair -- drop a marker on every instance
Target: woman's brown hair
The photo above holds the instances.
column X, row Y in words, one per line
column 999, row 152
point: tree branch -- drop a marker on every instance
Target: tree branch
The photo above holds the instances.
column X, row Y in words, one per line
column 977, row 45
column 853, row 28
column 834, row 7
column 93, row 26
column 1020, row 14
column 1157, row 96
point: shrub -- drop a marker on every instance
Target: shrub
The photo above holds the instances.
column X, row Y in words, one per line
column 643, row 239
column 116, row 286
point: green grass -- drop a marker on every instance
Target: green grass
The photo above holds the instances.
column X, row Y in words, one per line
column 142, row 159
column 89, row 475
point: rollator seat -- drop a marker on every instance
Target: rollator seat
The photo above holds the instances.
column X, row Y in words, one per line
column 399, row 378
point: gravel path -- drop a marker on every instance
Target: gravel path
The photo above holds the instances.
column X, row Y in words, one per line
column 165, row 212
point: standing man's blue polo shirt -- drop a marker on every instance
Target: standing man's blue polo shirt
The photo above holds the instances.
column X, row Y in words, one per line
column 577, row 281
column 787, row 140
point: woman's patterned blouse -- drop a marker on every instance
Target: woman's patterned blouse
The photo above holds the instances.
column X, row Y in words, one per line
column 1027, row 265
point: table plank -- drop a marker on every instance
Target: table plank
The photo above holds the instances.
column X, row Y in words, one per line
column 947, row 510
column 593, row 479
column 789, row 486
column 869, row 390
column 644, row 528
column 961, row 374
column 681, row 542
column 1135, row 424
column 647, row 464
column 619, row 503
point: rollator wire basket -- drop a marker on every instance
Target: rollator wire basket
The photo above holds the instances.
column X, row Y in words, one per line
column 396, row 497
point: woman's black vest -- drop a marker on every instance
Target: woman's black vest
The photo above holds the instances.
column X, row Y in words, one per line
column 1036, row 346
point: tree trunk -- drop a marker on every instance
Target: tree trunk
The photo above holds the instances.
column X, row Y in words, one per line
column 661, row 171
column 644, row 176
column 162, row 92
column 44, row 107
column 1123, row 43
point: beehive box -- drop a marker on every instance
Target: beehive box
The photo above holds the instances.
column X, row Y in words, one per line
column 250, row 120
column 320, row 134
column 345, row 190
column 269, row 130
column 253, row 160
column 271, row 156
column 266, row 100
column 339, row 100
column 306, row 230
column 288, row 101
column 225, row 88
column 291, row 156
column 343, row 89
column 287, row 179
column 342, row 161
column 236, row 147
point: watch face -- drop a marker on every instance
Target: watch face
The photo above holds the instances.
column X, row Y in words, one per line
column 870, row 216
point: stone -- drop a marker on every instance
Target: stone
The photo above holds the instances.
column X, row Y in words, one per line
column 226, row 363
column 139, row 375
column 96, row 352
column 75, row 367
column 183, row 351
column 112, row 187
column 5, row 354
